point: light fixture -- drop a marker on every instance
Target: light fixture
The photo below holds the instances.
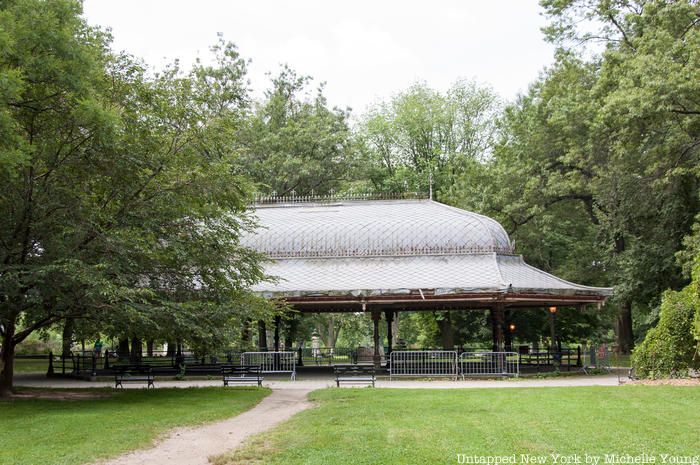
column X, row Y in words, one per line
column 552, row 309
column 511, row 327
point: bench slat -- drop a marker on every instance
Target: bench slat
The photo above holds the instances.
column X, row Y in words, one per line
column 354, row 374
column 133, row 374
column 241, row 374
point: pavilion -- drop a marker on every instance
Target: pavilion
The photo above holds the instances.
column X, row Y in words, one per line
column 386, row 256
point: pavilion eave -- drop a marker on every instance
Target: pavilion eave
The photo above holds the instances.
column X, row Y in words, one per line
column 426, row 301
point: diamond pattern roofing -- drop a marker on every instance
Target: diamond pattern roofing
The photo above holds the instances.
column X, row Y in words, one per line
column 384, row 248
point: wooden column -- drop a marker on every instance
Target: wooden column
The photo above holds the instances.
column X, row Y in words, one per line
column 376, row 316
column 262, row 336
column 497, row 317
column 290, row 334
column 508, row 332
column 278, row 320
column 389, row 315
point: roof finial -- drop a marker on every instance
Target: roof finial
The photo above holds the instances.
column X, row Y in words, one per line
column 430, row 181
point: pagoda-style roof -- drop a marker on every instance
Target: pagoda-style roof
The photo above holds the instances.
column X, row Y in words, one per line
column 410, row 253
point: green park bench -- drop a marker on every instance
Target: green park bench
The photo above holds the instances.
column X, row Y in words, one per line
column 354, row 374
column 243, row 374
column 133, row 374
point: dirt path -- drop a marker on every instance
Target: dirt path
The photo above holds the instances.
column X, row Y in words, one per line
column 313, row 382
column 194, row 446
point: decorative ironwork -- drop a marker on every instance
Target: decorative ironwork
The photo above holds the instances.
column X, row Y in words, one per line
column 370, row 229
column 489, row 363
column 349, row 196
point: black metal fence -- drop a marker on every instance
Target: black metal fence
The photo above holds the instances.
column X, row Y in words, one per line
column 90, row 364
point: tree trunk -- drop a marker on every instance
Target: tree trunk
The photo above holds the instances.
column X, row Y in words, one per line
column 123, row 349
column 262, row 336
column 291, row 334
column 623, row 328
column 245, row 335
column 7, row 360
column 149, row 347
column 623, row 322
column 67, row 341
column 288, row 340
column 445, row 325
column 136, row 350
column 276, row 340
column 172, row 345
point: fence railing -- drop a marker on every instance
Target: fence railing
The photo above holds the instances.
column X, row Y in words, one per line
column 596, row 357
column 489, row 363
column 428, row 363
column 327, row 355
column 272, row 362
column 566, row 357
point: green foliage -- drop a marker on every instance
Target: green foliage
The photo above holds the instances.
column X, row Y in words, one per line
column 669, row 348
column 293, row 143
column 40, row 343
column 595, row 175
column 336, row 330
column 696, row 335
column 421, row 131
column 688, row 257
column 121, row 205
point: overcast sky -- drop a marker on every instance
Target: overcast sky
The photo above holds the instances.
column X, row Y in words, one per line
column 364, row 50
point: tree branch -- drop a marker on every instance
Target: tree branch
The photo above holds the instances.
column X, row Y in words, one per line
column 622, row 31
column 22, row 335
column 587, row 200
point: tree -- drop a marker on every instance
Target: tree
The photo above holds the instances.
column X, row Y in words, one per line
column 293, row 143
column 597, row 167
column 344, row 330
column 422, row 132
column 647, row 133
column 669, row 348
column 120, row 204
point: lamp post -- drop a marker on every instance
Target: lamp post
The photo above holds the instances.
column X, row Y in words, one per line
column 510, row 331
column 556, row 355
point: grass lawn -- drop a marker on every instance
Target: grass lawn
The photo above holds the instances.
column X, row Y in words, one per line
column 31, row 365
column 58, row 432
column 382, row 426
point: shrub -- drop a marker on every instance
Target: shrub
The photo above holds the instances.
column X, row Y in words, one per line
column 696, row 333
column 669, row 348
column 33, row 345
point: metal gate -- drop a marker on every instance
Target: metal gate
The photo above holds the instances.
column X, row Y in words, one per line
column 489, row 363
column 428, row 363
column 272, row 362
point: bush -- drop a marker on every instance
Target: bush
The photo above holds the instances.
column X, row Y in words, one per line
column 669, row 348
column 34, row 345
column 696, row 333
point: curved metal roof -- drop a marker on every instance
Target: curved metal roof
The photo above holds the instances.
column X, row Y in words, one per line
column 374, row 228
column 359, row 250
